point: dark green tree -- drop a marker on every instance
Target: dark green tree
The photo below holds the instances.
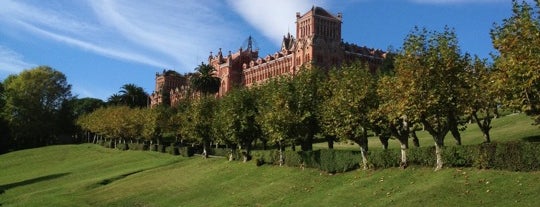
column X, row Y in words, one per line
column 133, row 96
column 34, row 101
column 204, row 80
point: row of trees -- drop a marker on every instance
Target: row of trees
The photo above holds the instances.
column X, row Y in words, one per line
column 38, row 109
column 430, row 83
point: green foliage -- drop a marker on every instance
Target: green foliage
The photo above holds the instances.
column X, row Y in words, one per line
column 276, row 114
column 35, row 102
column 293, row 158
column 130, row 95
column 204, row 80
column 518, row 63
column 234, row 121
column 187, row 151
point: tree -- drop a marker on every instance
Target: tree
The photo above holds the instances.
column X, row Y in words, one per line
column 275, row 113
column 204, row 80
column 235, row 119
column 305, row 102
column 346, row 109
column 5, row 140
column 86, row 105
column 483, row 96
column 430, row 71
column 133, row 96
column 389, row 115
column 518, row 63
column 201, row 115
column 34, row 100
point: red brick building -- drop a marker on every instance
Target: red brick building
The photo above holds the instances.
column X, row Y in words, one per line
column 318, row 43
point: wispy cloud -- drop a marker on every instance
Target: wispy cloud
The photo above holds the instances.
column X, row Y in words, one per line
column 11, row 61
column 272, row 18
column 163, row 34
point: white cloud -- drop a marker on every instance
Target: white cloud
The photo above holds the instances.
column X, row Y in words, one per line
column 272, row 18
column 11, row 61
column 163, row 34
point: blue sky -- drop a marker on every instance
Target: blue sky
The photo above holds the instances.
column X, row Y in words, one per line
column 103, row 44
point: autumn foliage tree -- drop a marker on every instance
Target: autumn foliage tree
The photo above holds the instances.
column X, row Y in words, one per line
column 350, row 99
column 517, row 40
column 430, row 70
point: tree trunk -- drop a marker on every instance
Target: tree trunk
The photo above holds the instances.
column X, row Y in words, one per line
column 484, row 125
column 415, row 140
column 363, row 142
column 404, row 147
column 281, row 158
column 206, row 145
column 363, row 152
column 246, row 154
column 453, row 124
column 330, row 140
column 264, row 142
column 438, row 153
column 384, row 141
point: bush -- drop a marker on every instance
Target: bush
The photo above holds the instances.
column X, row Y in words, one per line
column 292, row 158
column 187, row 151
column 311, row 159
column 162, row 148
column 460, row 156
column 385, row 158
column 423, row 156
column 122, row 146
column 333, row 161
column 266, row 156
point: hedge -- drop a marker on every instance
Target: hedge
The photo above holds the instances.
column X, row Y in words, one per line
column 513, row 156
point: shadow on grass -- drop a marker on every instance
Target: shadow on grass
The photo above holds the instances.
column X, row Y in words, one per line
column 5, row 187
column 532, row 138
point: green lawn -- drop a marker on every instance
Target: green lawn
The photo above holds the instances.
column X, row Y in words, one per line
column 506, row 128
column 90, row 175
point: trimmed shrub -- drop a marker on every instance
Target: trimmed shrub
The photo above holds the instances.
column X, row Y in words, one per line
column 187, row 151
column 460, row 156
column 423, row 156
column 122, row 146
column 162, row 148
column 333, row 161
column 266, row 157
column 385, row 158
column 311, row 159
column 293, row 158
column 101, row 142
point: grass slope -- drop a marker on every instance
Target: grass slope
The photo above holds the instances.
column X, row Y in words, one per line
column 506, row 128
column 89, row 175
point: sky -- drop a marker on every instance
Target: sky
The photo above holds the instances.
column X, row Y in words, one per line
column 101, row 45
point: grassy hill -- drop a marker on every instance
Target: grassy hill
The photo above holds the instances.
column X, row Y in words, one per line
column 90, row 175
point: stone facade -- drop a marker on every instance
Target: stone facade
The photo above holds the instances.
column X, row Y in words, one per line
column 318, row 43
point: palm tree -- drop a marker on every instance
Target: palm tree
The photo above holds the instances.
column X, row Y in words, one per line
column 131, row 95
column 204, row 80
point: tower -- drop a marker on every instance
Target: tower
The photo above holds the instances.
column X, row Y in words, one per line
column 318, row 38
